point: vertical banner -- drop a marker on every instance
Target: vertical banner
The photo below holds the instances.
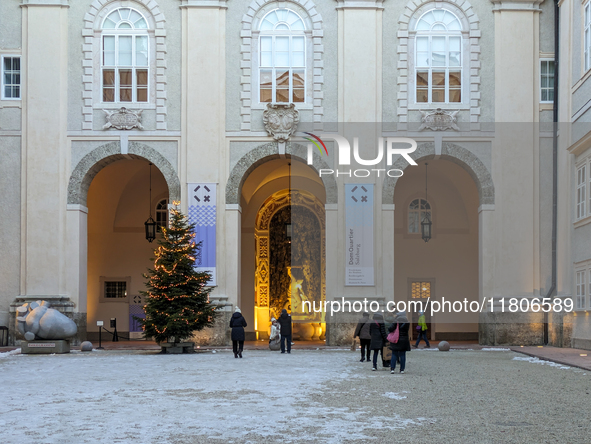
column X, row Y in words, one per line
column 359, row 235
column 136, row 310
column 202, row 213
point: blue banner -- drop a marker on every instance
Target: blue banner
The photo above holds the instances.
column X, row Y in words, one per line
column 202, row 213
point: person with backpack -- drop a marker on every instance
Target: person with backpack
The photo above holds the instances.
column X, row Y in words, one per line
column 377, row 331
column 362, row 331
column 400, row 346
column 237, row 324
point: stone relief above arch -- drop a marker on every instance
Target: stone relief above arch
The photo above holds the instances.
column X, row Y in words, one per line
column 250, row 22
column 104, row 155
column 270, row 151
column 91, row 49
column 452, row 153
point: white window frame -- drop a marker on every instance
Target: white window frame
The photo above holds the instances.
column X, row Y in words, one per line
column 273, row 68
column 580, row 289
column 117, row 33
column 542, row 61
column 160, row 211
column 3, row 84
column 464, row 76
column 421, row 213
column 587, row 36
column 581, row 192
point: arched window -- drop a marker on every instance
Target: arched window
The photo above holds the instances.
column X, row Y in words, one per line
column 282, row 57
column 161, row 215
column 124, row 57
column 417, row 211
column 438, row 58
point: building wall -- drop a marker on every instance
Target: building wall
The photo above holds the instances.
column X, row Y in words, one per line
column 200, row 122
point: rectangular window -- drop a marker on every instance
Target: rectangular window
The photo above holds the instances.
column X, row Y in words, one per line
column 580, row 284
column 115, row 290
column 421, row 290
column 11, row 77
column 581, row 192
column 282, row 74
column 438, row 68
column 546, row 81
column 125, row 68
column 587, row 36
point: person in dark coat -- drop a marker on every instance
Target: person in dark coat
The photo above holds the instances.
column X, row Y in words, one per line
column 237, row 323
column 362, row 331
column 403, row 345
column 285, row 322
column 378, row 335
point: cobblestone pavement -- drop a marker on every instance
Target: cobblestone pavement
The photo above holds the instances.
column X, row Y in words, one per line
column 123, row 396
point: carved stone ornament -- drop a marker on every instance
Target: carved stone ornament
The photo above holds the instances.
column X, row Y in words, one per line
column 123, row 119
column 439, row 120
column 281, row 120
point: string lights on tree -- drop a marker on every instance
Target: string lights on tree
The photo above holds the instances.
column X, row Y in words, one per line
column 177, row 298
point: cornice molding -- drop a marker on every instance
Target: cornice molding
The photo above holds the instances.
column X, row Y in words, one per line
column 60, row 3
column 209, row 4
column 360, row 4
column 517, row 5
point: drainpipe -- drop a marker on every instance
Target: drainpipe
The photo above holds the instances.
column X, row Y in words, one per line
column 554, row 164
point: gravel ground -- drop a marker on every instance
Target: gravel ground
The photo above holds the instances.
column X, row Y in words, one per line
column 309, row 396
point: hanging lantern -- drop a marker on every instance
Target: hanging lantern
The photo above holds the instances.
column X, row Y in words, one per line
column 426, row 228
column 150, row 224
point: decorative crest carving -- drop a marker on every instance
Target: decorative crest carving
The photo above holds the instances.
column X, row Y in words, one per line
column 439, row 120
column 123, row 119
column 281, row 120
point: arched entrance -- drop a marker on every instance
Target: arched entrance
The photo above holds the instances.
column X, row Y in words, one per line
column 112, row 191
column 264, row 183
column 449, row 266
column 290, row 272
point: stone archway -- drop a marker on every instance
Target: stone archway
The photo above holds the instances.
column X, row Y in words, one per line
column 452, row 153
column 104, row 155
column 270, row 151
column 270, row 207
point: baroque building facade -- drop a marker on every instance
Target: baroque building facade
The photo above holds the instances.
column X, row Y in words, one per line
column 111, row 110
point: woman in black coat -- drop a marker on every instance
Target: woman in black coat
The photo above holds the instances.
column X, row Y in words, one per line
column 403, row 345
column 237, row 323
column 378, row 335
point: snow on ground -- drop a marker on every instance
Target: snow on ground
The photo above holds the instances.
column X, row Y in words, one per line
column 540, row 361
column 10, row 353
column 324, row 396
column 121, row 397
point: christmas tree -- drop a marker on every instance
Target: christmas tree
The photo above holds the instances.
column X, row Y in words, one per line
column 177, row 296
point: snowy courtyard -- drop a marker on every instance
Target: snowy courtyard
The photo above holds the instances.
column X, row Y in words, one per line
column 328, row 396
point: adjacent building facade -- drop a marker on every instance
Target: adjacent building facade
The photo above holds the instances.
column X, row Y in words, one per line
column 111, row 110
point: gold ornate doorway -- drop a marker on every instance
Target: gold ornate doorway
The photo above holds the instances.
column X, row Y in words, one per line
column 291, row 279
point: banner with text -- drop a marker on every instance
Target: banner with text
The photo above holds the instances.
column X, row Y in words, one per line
column 202, row 213
column 359, row 234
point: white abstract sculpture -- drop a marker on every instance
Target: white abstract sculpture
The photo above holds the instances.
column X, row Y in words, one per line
column 37, row 321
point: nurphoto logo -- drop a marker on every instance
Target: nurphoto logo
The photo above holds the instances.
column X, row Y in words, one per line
column 344, row 155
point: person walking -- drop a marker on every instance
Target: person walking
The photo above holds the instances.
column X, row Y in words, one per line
column 362, row 331
column 237, row 324
column 422, row 330
column 378, row 335
column 400, row 348
column 285, row 324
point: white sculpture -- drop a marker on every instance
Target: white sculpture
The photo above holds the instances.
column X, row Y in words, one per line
column 37, row 321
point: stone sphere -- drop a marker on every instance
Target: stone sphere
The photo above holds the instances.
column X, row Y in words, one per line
column 443, row 346
column 86, row 346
